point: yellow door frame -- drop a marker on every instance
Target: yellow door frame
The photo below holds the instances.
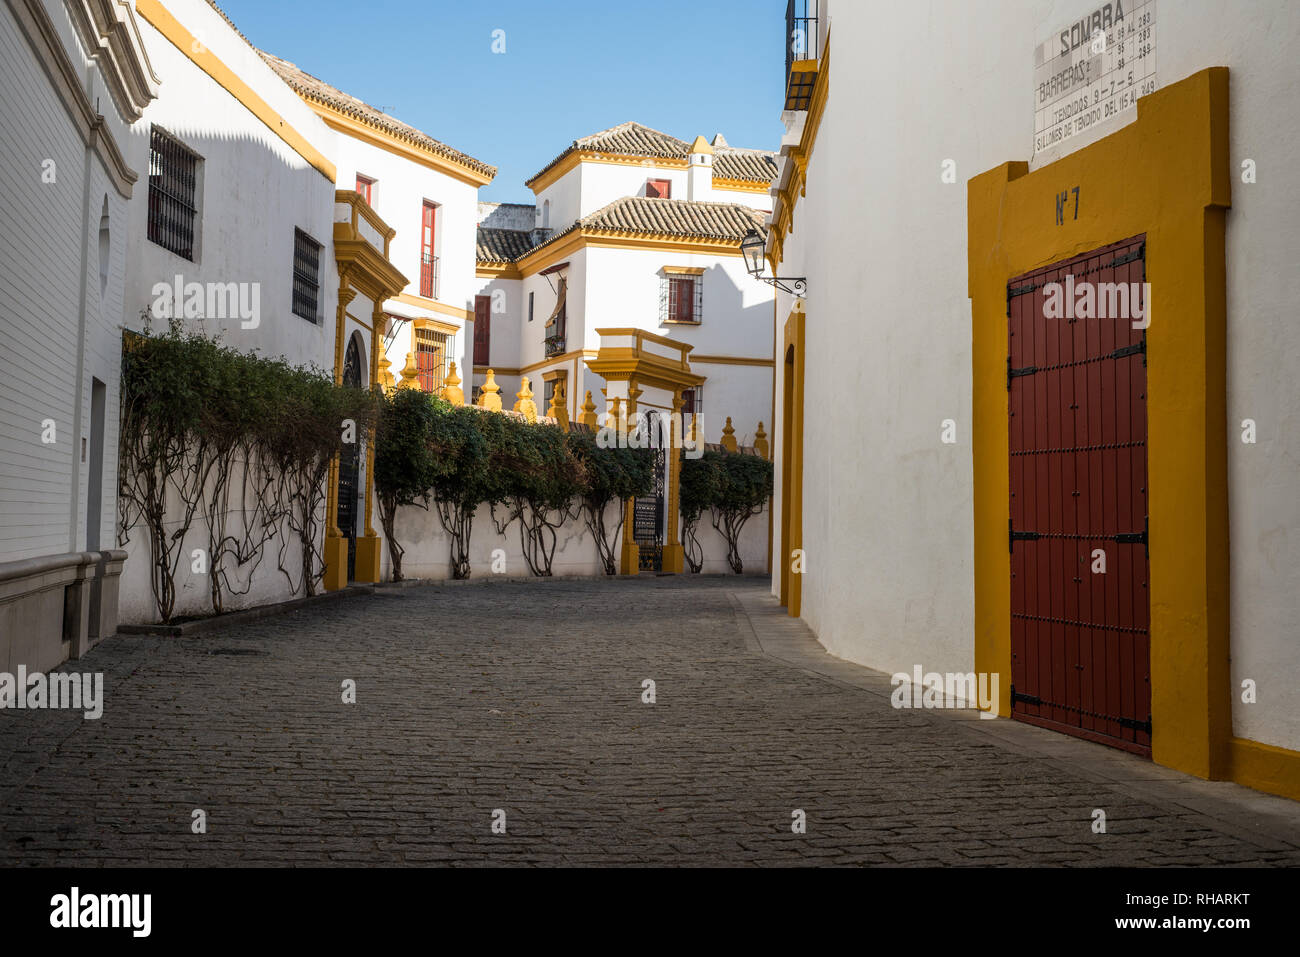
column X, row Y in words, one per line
column 792, row 460
column 1166, row 175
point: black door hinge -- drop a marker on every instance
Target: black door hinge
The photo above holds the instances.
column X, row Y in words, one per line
column 1013, row 536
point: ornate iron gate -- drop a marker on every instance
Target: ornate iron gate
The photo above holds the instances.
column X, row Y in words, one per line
column 648, row 510
column 350, row 465
column 1080, row 609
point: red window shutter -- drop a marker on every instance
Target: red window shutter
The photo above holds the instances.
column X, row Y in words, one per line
column 428, row 264
column 366, row 187
column 427, row 364
column 681, row 300
column 659, row 189
column 482, row 330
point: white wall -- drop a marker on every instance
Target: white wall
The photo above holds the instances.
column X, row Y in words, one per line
column 428, row 546
column 253, row 191
column 51, row 291
column 887, row 508
column 402, row 186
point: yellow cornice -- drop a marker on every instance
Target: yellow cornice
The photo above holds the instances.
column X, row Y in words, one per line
column 174, row 32
column 497, row 271
column 498, row 370
column 545, row 256
column 366, row 268
column 643, row 335
column 424, row 322
column 553, row 360
column 378, row 136
column 741, row 185
column 731, row 361
column 683, row 270
column 433, row 305
column 571, row 161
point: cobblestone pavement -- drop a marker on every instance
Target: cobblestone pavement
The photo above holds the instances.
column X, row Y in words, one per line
column 526, row 696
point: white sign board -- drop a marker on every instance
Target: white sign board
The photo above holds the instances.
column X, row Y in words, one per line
column 1092, row 71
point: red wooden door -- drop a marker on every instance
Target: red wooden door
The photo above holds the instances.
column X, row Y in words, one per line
column 1080, row 642
column 482, row 330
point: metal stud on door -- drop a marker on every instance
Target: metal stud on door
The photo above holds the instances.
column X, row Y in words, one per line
column 1080, row 611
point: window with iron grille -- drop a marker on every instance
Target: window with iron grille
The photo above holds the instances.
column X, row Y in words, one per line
column 432, row 351
column 173, row 189
column 681, row 299
column 306, row 276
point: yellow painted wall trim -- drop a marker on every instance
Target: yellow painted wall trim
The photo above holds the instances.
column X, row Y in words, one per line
column 497, row 271
column 433, row 305
column 437, row 325
column 1166, row 175
column 792, row 366
column 732, row 361
column 1265, row 767
column 741, row 185
column 545, row 256
column 162, row 20
column 407, row 149
column 795, row 185
column 684, row 270
column 571, row 160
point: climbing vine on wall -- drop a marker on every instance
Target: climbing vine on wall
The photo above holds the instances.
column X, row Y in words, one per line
column 209, row 431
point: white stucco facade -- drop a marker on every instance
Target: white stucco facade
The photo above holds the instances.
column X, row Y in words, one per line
column 887, row 513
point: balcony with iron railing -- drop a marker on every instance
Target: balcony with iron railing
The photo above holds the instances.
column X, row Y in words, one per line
column 554, row 345
column 802, row 52
column 428, row 276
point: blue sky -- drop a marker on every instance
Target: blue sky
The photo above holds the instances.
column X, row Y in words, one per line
column 686, row 67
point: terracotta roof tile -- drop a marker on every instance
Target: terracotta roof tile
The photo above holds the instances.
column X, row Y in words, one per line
column 501, row 245
column 634, row 139
column 677, row 218
column 309, row 86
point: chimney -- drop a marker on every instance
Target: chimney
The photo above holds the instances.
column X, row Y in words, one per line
column 699, row 176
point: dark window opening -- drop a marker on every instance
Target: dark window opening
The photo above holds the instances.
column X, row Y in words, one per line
column 173, row 188
column 306, row 276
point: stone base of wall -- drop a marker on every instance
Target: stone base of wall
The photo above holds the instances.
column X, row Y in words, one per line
column 57, row 607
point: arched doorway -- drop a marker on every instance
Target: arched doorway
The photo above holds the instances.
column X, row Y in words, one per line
column 350, row 463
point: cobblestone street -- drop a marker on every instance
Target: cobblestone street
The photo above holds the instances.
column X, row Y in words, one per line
column 533, row 705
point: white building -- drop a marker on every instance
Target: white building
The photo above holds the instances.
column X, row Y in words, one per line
column 208, row 191
column 428, row 192
column 632, row 229
column 76, row 77
column 931, row 208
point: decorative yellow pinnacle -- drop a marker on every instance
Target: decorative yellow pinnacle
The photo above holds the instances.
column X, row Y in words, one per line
column 488, row 397
column 588, row 417
column 524, row 403
column 451, row 390
column 729, row 436
column 760, row 442
column 410, row 373
column 557, row 410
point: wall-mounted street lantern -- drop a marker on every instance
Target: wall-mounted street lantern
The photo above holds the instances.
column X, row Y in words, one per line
column 754, row 248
